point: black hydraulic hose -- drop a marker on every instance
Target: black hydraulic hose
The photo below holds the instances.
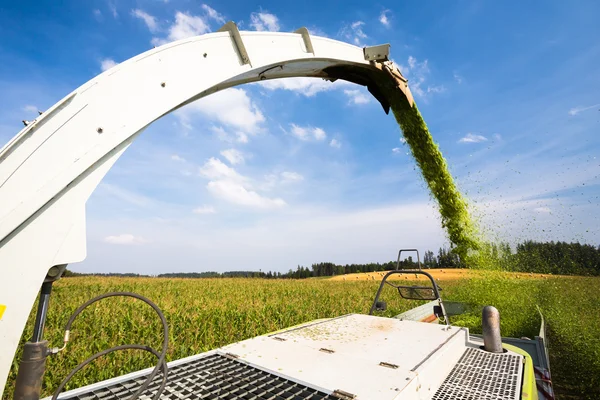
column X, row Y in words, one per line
column 113, row 349
column 161, row 356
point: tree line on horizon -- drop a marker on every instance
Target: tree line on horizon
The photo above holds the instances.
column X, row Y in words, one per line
column 558, row 258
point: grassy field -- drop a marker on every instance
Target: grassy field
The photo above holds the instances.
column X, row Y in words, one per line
column 208, row 313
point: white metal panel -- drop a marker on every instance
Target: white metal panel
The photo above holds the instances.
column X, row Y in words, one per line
column 359, row 344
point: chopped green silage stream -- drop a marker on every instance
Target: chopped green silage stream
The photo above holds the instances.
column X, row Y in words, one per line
column 453, row 208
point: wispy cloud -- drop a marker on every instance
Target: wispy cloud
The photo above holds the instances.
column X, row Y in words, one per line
column 383, row 18
column 204, row 210
column 177, row 158
column 289, row 176
column 354, row 32
column 148, row 19
column 458, row 78
column 30, row 109
column 125, row 239
column 472, row 138
column 213, row 14
column 264, row 21
column 307, row 133
column 113, row 9
column 97, row 15
column 107, row 64
column 418, row 75
column 126, row 195
column 335, row 143
column 396, row 150
column 577, row 110
column 186, row 25
column 357, row 96
column 233, row 156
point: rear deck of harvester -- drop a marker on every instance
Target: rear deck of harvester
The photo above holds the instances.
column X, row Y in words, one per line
column 349, row 357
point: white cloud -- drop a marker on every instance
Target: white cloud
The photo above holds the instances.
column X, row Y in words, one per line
column 383, row 18
column 148, row 19
column 335, row 143
column 288, row 176
column 125, row 238
column 113, row 9
column 30, row 109
column 436, row 89
column 305, row 86
column 577, row 110
column 402, row 140
column 458, row 78
column 98, row 15
column 357, row 96
column 354, row 32
column 231, row 107
column 308, row 132
column 472, row 138
column 185, row 26
column 418, row 74
column 177, row 158
column 107, row 64
column 216, row 169
column 263, row 21
column 204, row 210
column 213, row 14
column 233, row 156
column 396, row 150
column 236, row 193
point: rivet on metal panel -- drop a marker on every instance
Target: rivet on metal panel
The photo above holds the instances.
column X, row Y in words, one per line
column 328, row 351
column 204, row 55
column 99, row 130
column 163, row 84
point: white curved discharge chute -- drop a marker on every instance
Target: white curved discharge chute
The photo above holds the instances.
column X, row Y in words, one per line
column 50, row 168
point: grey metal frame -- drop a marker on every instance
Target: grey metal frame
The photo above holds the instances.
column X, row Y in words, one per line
column 408, row 271
column 400, row 253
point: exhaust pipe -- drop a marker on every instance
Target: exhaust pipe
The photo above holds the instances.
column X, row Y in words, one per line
column 490, row 319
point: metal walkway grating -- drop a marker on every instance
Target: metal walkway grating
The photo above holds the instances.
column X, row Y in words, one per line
column 213, row 377
column 480, row 375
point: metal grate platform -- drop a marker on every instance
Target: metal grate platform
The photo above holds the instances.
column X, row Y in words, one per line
column 480, row 375
column 211, row 378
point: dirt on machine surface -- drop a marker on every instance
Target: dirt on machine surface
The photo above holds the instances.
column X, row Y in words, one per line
column 440, row 274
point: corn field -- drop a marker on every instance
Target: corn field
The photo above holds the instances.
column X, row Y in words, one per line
column 207, row 313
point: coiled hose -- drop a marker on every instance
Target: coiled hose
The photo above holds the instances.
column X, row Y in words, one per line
column 161, row 364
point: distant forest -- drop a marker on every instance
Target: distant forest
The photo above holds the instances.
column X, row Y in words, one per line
column 559, row 258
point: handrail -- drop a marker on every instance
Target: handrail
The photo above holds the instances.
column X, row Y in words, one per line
column 407, row 271
column 400, row 253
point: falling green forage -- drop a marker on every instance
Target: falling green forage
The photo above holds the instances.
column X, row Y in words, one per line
column 453, row 208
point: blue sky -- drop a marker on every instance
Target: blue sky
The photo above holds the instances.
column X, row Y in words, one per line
column 269, row 176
